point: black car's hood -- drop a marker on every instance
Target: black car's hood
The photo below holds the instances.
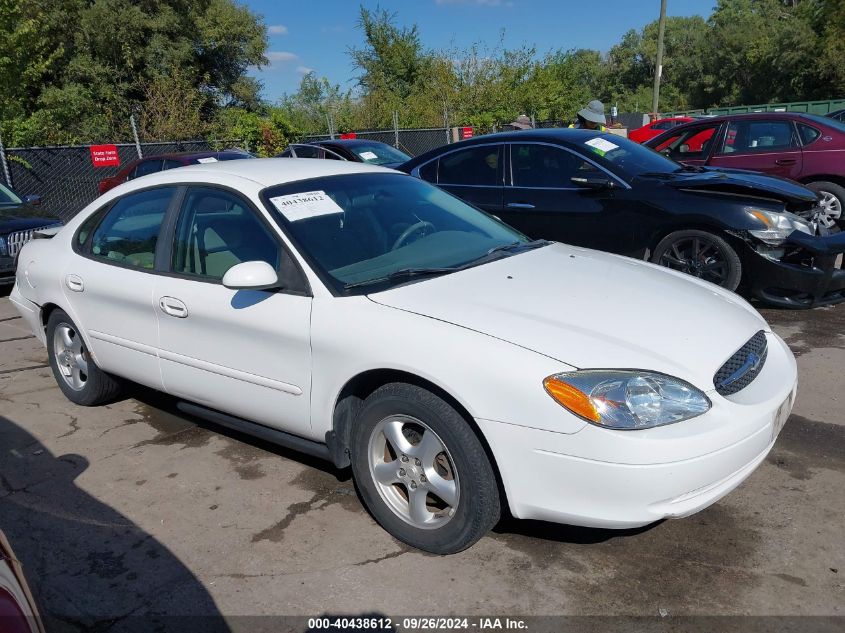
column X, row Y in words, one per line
column 741, row 182
column 21, row 217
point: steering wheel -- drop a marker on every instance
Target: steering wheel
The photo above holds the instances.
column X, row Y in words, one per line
column 414, row 228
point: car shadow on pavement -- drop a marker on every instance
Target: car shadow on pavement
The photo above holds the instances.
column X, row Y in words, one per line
column 89, row 566
column 561, row 533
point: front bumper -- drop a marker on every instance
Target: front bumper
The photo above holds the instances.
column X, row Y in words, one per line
column 810, row 274
column 624, row 479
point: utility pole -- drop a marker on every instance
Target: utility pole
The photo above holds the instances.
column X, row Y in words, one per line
column 658, row 70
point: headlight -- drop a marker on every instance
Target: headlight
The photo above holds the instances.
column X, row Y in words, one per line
column 777, row 225
column 623, row 399
column 4, row 250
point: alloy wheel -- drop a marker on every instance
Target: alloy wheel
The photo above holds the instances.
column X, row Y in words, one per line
column 413, row 472
column 71, row 356
column 698, row 257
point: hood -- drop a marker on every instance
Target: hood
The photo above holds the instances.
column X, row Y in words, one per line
column 747, row 183
column 23, row 217
column 590, row 309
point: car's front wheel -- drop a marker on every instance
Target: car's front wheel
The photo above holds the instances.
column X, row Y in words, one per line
column 75, row 371
column 422, row 471
column 701, row 254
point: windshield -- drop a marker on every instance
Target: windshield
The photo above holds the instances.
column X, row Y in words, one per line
column 7, row 196
column 361, row 228
column 625, row 158
column 379, row 153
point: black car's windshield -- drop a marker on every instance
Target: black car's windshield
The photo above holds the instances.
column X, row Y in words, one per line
column 7, row 196
column 378, row 153
column 626, row 158
column 359, row 229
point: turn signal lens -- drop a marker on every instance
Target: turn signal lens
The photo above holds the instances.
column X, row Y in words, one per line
column 573, row 399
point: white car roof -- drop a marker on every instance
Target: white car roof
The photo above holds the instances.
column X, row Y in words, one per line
column 265, row 172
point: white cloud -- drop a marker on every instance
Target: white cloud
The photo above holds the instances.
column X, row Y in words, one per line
column 304, row 70
column 281, row 56
column 277, row 29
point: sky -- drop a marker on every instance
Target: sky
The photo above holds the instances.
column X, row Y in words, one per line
column 315, row 35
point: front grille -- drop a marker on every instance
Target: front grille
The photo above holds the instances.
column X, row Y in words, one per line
column 743, row 367
column 19, row 238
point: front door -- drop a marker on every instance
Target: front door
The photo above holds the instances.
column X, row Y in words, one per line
column 109, row 284
column 767, row 145
column 244, row 352
column 692, row 144
column 544, row 202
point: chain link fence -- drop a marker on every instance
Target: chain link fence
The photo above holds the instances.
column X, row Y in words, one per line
column 412, row 141
column 66, row 179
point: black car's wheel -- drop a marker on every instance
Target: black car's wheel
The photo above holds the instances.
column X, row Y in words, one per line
column 831, row 203
column 77, row 375
column 422, row 471
column 701, row 254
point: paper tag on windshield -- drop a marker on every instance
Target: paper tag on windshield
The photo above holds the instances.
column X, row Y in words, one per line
column 309, row 204
column 368, row 155
column 207, row 159
column 603, row 146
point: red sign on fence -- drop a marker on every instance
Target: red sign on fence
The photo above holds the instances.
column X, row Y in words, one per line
column 104, row 156
column 466, row 132
column 348, row 135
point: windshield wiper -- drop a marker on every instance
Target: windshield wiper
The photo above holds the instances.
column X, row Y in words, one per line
column 406, row 273
column 402, row 273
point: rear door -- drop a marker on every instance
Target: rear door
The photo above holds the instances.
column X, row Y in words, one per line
column 109, row 283
column 770, row 146
column 474, row 174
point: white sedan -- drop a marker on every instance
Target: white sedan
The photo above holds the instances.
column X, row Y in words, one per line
column 369, row 318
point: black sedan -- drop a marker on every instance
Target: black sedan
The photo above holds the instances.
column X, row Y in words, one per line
column 602, row 191
column 19, row 219
column 352, row 149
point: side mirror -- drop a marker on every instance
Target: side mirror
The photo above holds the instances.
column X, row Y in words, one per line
column 33, row 199
column 593, row 183
column 251, row 276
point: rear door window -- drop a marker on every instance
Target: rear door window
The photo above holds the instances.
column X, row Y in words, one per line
column 478, row 166
column 128, row 234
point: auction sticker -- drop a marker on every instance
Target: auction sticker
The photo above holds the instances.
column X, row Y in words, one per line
column 602, row 146
column 207, row 159
column 309, row 204
column 368, row 155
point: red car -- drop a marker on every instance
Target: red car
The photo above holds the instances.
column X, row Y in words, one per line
column 806, row 148
column 18, row 611
column 154, row 164
column 655, row 128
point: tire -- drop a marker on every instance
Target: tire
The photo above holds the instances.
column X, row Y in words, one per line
column 420, row 424
column 833, row 203
column 702, row 254
column 77, row 375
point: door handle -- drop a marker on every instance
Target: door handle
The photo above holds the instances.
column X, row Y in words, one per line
column 74, row 283
column 785, row 161
column 520, row 205
column 173, row 307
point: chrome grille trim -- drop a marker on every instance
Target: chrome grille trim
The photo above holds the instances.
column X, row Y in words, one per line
column 16, row 240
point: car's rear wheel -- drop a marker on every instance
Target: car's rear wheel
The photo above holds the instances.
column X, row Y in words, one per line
column 701, row 254
column 422, row 471
column 75, row 371
column 831, row 202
